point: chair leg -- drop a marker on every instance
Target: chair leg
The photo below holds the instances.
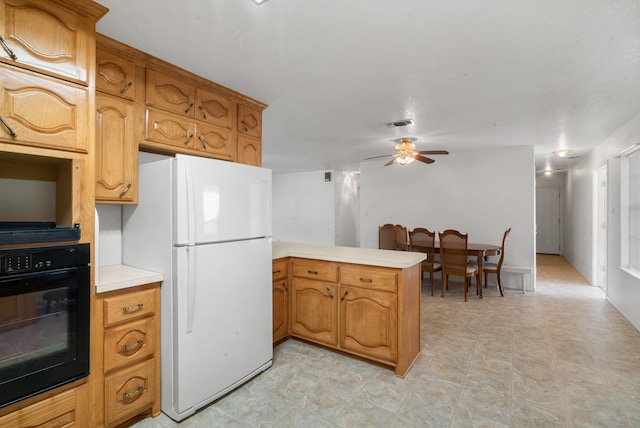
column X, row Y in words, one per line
column 466, row 287
column 500, row 284
column 431, row 279
column 444, row 283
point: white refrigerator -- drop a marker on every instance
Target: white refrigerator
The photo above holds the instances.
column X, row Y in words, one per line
column 206, row 225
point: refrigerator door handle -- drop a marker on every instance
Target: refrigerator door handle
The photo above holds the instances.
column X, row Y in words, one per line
column 191, row 215
column 191, row 289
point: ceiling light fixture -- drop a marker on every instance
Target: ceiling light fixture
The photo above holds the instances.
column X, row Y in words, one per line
column 259, row 2
column 563, row 153
column 406, row 152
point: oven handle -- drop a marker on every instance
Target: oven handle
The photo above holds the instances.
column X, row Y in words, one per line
column 28, row 282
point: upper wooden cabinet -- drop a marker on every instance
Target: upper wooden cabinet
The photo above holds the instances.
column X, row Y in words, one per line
column 212, row 107
column 42, row 111
column 219, row 142
column 249, row 121
column 170, row 93
column 115, row 74
column 116, row 151
column 43, row 36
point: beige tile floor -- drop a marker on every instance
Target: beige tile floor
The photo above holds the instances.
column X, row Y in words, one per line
column 559, row 357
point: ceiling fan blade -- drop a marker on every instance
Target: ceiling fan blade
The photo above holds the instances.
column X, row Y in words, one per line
column 423, row 159
column 392, row 161
column 377, row 157
column 433, row 152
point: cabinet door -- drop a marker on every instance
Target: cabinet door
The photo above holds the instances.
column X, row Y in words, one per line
column 217, row 141
column 314, row 311
column 249, row 150
column 214, row 108
column 42, row 36
column 170, row 129
column 280, row 310
column 369, row 323
column 42, row 111
column 115, row 75
column 116, row 151
column 128, row 392
column 249, row 121
column 170, row 93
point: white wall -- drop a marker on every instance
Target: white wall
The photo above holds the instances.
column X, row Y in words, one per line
column 109, row 235
column 623, row 290
column 304, row 207
column 478, row 192
column 347, row 218
column 555, row 181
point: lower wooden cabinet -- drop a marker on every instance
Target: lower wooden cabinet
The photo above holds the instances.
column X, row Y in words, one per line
column 280, row 279
column 131, row 353
column 369, row 311
column 66, row 409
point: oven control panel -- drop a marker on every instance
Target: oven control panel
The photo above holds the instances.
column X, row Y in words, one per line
column 38, row 259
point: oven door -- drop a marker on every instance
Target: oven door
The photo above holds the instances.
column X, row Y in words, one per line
column 44, row 331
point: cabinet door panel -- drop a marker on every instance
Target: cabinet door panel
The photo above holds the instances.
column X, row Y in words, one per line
column 280, row 310
column 369, row 323
column 129, row 391
column 170, row 93
column 42, row 111
column 128, row 342
column 249, row 150
column 116, row 150
column 45, row 37
column 249, row 121
column 214, row 108
column 170, row 129
column 219, row 142
column 115, row 74
column 314, row 311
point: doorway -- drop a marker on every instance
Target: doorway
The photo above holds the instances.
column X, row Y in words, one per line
column 548, row 221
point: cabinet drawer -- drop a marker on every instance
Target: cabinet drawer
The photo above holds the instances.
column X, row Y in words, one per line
column 128, row 392
column 368, row 277
column 323, row 271
column 128, row 342
column 170, row 129
column 42, row 111
column 280, row 270
column 128, row 306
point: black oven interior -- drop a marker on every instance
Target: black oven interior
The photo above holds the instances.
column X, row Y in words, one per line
column 44, row 319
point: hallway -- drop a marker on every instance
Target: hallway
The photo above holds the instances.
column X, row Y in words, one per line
column 559, row 357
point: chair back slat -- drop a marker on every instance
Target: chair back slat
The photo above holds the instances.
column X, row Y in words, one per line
column 453, row 251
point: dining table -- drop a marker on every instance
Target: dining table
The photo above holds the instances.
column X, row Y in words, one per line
column 478, row 250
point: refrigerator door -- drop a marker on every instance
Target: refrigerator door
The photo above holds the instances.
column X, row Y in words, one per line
column 223, row 316
column 220, row 201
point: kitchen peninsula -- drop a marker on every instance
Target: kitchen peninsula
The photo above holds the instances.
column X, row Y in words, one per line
column 360, row 301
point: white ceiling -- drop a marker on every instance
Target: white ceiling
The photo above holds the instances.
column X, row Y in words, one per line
column 471, row 74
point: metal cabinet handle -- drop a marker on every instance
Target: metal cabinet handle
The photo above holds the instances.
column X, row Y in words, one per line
column 188, row 108
column 8, row 49
column 126, row 88
column 137, row 391
column 366, row 279
column 329, row 292
column 312, row 272
column 130, row 345
column 244, row 125
column 126, row 189
column 133, row 308
column 9, row 130
column 188, row 139
column 343, row 296
column 204, row 115
column 202, row 140
column 276, row 271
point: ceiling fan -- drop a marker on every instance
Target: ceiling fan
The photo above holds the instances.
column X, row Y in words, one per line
column 407, row 154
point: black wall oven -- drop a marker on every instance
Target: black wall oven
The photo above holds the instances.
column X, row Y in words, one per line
column 44, row 319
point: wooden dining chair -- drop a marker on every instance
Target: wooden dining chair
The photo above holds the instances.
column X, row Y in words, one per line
column 387, row 237
column 423, row 240
column 453, row 256
column 495, row 268
column 401, row 238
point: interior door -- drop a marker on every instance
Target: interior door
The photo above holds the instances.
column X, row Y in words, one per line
column 548, row 221
column 601, row 228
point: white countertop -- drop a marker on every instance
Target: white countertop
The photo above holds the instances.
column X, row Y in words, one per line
column 364, row 256
column 116, row 277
